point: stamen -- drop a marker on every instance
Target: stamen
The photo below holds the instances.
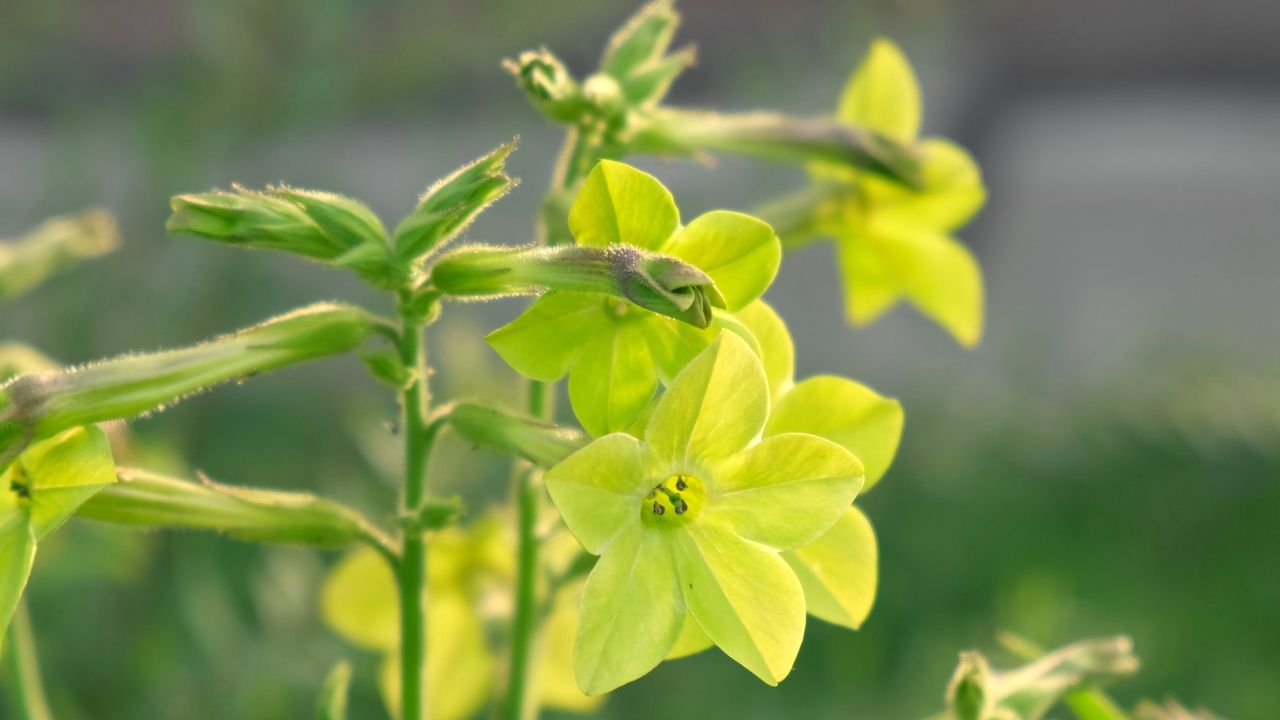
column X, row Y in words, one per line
column 658, row 509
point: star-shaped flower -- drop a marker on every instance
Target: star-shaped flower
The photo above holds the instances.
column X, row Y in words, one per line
column 690, row 521
column 615, row 353
column 895, row 242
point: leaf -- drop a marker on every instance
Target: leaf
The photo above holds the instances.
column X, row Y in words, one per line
column 598, row 490
column 716, row 405
column 333, row 695
column 449, row 206
column 548, row 337
column 613, row 380
column 838, row 571
column 359, row 601
column 844, row 412
column 786, row 491
column 774, row 340
column 17, row 552
column 743, row 596
column 631, row 611
column 883, row 94
column 620, row 204
column 739, row 252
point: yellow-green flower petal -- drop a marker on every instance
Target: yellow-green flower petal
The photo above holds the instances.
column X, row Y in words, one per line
column 776, row 349
column 620, row 204
column 691, row 641
column 548, row 337
column 845, row 412
column 883, row 94
column 785, row 491
column 838, row 571
column 743, row 596
column 952, row 193
column 359, row 601
column 459, row 669
column 61, row 473
column 17, row 552
column 942, row 279
column 631, row 611
column 598, row 489
column 613, row 380
column 553, row 673
column 716, row 405
column 739, row 252
column 872, row 284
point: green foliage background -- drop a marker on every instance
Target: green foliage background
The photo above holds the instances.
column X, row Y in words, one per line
column 1038, row 488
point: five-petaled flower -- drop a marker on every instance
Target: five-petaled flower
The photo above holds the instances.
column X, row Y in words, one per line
column 896, row 242
column 690, row 521
column 614, row 352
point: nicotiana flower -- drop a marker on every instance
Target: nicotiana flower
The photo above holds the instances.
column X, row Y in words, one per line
column 690, row 521
column 470, row 573
column 39, row 490
column 895, row 242
column 614, row 352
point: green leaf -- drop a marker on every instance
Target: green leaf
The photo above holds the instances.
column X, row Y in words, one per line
column 513, row 434
column 449, row 206
column 61, row 473
column 777, row 352
column 951, row 194
column 716, row 405
column 332, row 704
column 598, row 490
column 548, row 337
column 739, row 252
column 883, row 94
column 613, row 381
column 743, row 596
column 620, row 204
column 845, row 412
column 17, row 551
column 631, row 611
column 839, row 571
column 359, row 601
column 786, row 491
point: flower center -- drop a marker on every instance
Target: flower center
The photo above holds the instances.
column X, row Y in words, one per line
column 674, row 501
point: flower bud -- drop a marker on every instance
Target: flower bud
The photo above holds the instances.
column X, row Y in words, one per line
column 33, row 407
column 54, row 246
column 653, row 281
column 508, row 433
column 548, row 84
column 150, row 500
column 778, row 137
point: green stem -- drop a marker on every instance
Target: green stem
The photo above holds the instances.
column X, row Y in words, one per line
column 411, row 572
column 22, row 671
column 578, row 154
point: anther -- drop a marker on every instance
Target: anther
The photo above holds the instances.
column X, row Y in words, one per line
column 658, row 509
column 680, row 483
column 682, row 507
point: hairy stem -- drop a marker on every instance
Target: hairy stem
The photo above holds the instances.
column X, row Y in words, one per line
column 411, row 573
column 22, row 671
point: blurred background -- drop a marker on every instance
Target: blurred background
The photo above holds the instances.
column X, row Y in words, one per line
column 1106, row 461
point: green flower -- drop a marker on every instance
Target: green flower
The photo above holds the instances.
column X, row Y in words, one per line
column 689, row 524
column 614, row 352
column 470, row 574
column 39, row 490
column 839, row 570
column 894, row 242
